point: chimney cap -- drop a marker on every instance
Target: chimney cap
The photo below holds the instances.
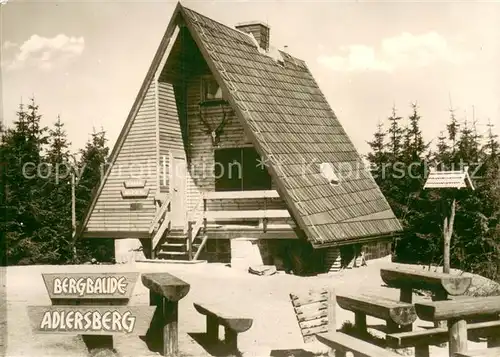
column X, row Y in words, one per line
column 249, row 23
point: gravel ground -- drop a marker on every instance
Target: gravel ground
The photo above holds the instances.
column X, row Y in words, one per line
column 264, row 298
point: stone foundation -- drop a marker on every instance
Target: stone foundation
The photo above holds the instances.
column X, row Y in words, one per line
column 128, row 250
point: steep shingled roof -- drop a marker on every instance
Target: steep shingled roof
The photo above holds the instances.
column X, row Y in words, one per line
column 296, row 130
column 292, row 125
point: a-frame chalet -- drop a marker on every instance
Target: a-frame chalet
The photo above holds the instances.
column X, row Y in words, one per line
column 229, row 138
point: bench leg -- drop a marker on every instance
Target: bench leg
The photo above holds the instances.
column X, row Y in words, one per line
column 231, row 340
column 340, row 353
column 422, row 351
column 440, row 296
column 170, row 329
column 212, row 329
column 493, row 341
column 457, row 330
column 407, row 328
column 392, row 327
column 405, row 295
column 360, row 321
column 168, row 318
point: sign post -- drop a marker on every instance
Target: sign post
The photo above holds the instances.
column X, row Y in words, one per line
column 94, row 305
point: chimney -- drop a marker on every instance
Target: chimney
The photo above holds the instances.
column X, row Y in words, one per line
column 259, row 30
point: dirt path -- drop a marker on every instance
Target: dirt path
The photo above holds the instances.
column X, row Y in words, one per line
column 264, row 298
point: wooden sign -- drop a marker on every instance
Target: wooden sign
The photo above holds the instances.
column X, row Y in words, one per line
column 91, row 320
column 134, row 183
column 448, row 179
column 90, row 286
column 135, row 193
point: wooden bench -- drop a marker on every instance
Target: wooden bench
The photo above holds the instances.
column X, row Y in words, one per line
column 233, row 325
column 456, row 313
column 489, row 352
column 315, row 313
column 343, row 343
column 165, row 291
column 395, row 313
column 422, row 339
column 441, row 285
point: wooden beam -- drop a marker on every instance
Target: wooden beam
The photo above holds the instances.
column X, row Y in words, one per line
column 345, row 343
column 165, row 291
column 224, row 318
column 435, row 336
column 489, row 352
column 250, row 214
column 166, row 285
column 403, row 277
column 458, row 309
column 163, row 210
column 231, row 195
column 159, row 234
column 200, row 248
column 399, row 312
column 125, row 234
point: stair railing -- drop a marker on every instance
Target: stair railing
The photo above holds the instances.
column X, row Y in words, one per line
column 196, row 216
column 160, row 224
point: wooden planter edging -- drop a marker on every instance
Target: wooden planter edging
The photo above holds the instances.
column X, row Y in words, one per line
column 93, row 305
column 165, row 291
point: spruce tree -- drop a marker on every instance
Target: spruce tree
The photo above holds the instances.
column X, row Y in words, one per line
column 492, row 147
column 24, row 174
column 378, row 156
column 395, row 134
column 91, row 167
column 453, row 130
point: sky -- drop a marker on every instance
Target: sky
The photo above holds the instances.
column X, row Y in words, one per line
column 86, row 60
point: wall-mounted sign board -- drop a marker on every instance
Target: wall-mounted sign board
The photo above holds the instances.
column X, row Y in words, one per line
column 135, row 183
column 91, row 286
column 449, row 179
column 91, row 320
column 135, row 193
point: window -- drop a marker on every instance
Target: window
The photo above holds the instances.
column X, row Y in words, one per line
column 210, row 90
column 240, row 169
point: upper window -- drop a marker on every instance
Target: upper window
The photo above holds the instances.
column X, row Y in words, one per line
column 210, row 90
column 240, row 169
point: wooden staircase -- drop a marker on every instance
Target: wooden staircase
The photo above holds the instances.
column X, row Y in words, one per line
column 175, row 245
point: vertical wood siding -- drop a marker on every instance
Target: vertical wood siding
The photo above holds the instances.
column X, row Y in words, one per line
column 170, row 129
column 136, row 159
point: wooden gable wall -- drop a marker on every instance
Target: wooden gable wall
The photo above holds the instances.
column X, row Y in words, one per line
column 202, row 151
column 170, row 130
column 136, row 159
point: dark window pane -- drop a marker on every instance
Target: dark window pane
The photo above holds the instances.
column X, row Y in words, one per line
column 228, row 170
column 255, row 175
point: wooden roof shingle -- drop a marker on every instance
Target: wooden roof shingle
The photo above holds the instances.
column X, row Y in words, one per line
column 291, row 124
column 291, row 121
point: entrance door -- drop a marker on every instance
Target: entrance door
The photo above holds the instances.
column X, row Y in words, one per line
column 177, row 188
